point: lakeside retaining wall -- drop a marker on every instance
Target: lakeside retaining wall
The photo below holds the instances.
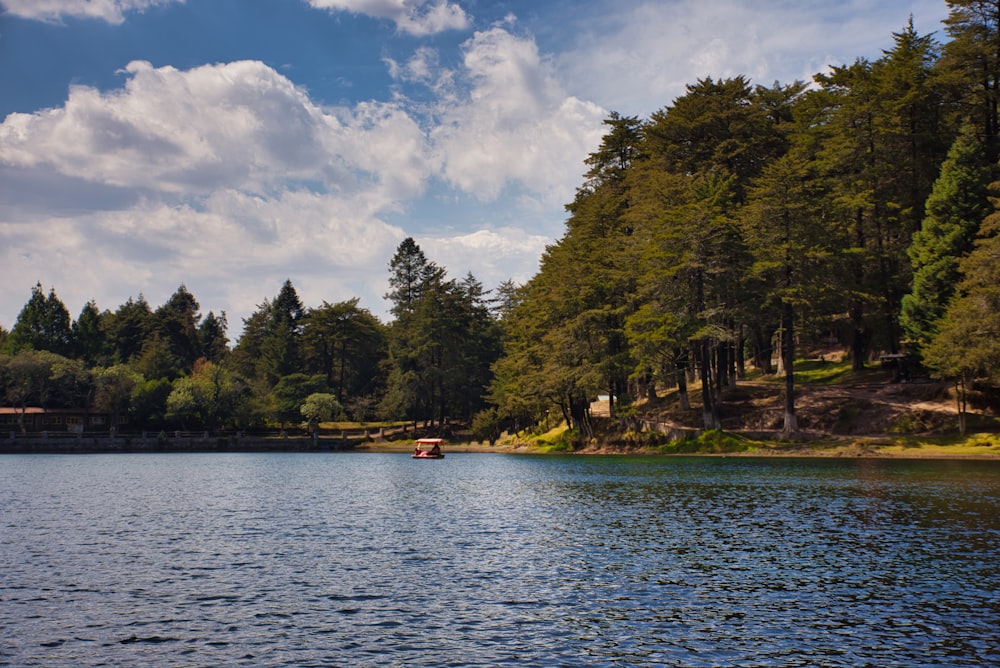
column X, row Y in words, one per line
column 61, row 442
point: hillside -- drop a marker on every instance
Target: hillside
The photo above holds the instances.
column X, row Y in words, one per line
column 839, row 411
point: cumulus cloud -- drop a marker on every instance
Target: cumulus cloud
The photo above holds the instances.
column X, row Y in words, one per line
column 111, row 11
column 416, row 17
column 236, row 125
column 232, row 250
column 231, row 178
column 224, row 177
column 636, row 56
column 492, row 256
column 516, row 125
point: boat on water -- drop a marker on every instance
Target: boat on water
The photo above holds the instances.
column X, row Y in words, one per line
column 433, row 450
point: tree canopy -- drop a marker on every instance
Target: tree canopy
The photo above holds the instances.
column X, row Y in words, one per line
column 734, row 222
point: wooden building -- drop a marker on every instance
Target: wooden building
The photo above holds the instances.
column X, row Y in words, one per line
column 37, row 419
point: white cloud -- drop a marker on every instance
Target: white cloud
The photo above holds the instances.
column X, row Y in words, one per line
column 111, row 11
column 492, row 256
column 636, row 56
column 230, row 179
column 225, row 177
column 232, row 252
column 238, row 125
column 416, row 17
column 516, row 125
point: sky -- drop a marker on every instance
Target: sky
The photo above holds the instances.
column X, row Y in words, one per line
column 229, row 145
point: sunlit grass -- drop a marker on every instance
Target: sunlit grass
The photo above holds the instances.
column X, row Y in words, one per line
column 712, row 442
column 824, row 372
column 358, row 426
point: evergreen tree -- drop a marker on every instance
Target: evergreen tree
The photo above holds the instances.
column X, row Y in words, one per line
column 955, row 209
column 270, row 345
column 89, row 341
column 43, row 324
column 347, row 344
column 246, row 353
column 967, row 344
column 176, row 324
column 409, row 274
column 127, row 328
column 290, row 392
column 873, row 126
column 212, row 337
column 791, row 251
column 287, row 308
column 971, row 66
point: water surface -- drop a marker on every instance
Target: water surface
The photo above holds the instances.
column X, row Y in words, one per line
column 379, row 560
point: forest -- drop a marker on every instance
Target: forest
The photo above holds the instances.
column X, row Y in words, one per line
column 735, row 227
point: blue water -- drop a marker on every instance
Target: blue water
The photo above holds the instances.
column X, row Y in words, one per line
column 331, row 559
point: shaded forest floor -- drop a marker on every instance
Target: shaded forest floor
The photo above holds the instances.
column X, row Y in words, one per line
column 840, row 412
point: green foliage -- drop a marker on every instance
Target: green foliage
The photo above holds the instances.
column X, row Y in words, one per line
column 175, row 326
column 955, row 209
column 441, row 344
column 45, row 379
column 968, row 343
column 712, row 441
column 348, row 345
column 113, row 390
column 209, row 397
column 733, row 217
column 126, row 329
column 970, row 65
column 291, row 391
column 487, row 425
column 320, row 407
column 212, row 337
column 43, row 324
column 410, row 274
column 270, row 347
column 148, row 403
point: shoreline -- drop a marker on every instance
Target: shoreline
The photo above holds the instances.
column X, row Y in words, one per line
column 856, row 449
column 977, row 447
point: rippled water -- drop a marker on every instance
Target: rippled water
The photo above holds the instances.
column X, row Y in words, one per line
column 378, row 560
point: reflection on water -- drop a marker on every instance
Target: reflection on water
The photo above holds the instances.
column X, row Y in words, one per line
column 343, row 559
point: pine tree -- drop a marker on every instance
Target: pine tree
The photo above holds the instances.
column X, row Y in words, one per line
column 967, row 345
column 89, row 340
column 43, row 324
column 955, row 210
column 127, row 328
column 212, row 337
column 410, row 273
column 971, row 66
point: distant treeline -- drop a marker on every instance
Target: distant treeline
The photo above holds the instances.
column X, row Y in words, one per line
column 171, row 368
column 734, row 226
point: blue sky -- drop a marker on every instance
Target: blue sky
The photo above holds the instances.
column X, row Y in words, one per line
column 231, row 144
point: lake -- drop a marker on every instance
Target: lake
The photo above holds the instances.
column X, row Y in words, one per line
column 334, row 559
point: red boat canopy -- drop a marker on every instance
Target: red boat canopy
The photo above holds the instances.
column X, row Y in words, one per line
column 430, row 441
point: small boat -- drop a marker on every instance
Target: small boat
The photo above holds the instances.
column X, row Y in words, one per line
column 433, row 453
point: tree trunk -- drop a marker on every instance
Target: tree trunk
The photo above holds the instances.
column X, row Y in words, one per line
column 683, row 399
column 859, row 343
column 681, row 375
column 791, row 424
column 709, row 412
column 960, row 399
column 763, row 350
column 741, row 365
